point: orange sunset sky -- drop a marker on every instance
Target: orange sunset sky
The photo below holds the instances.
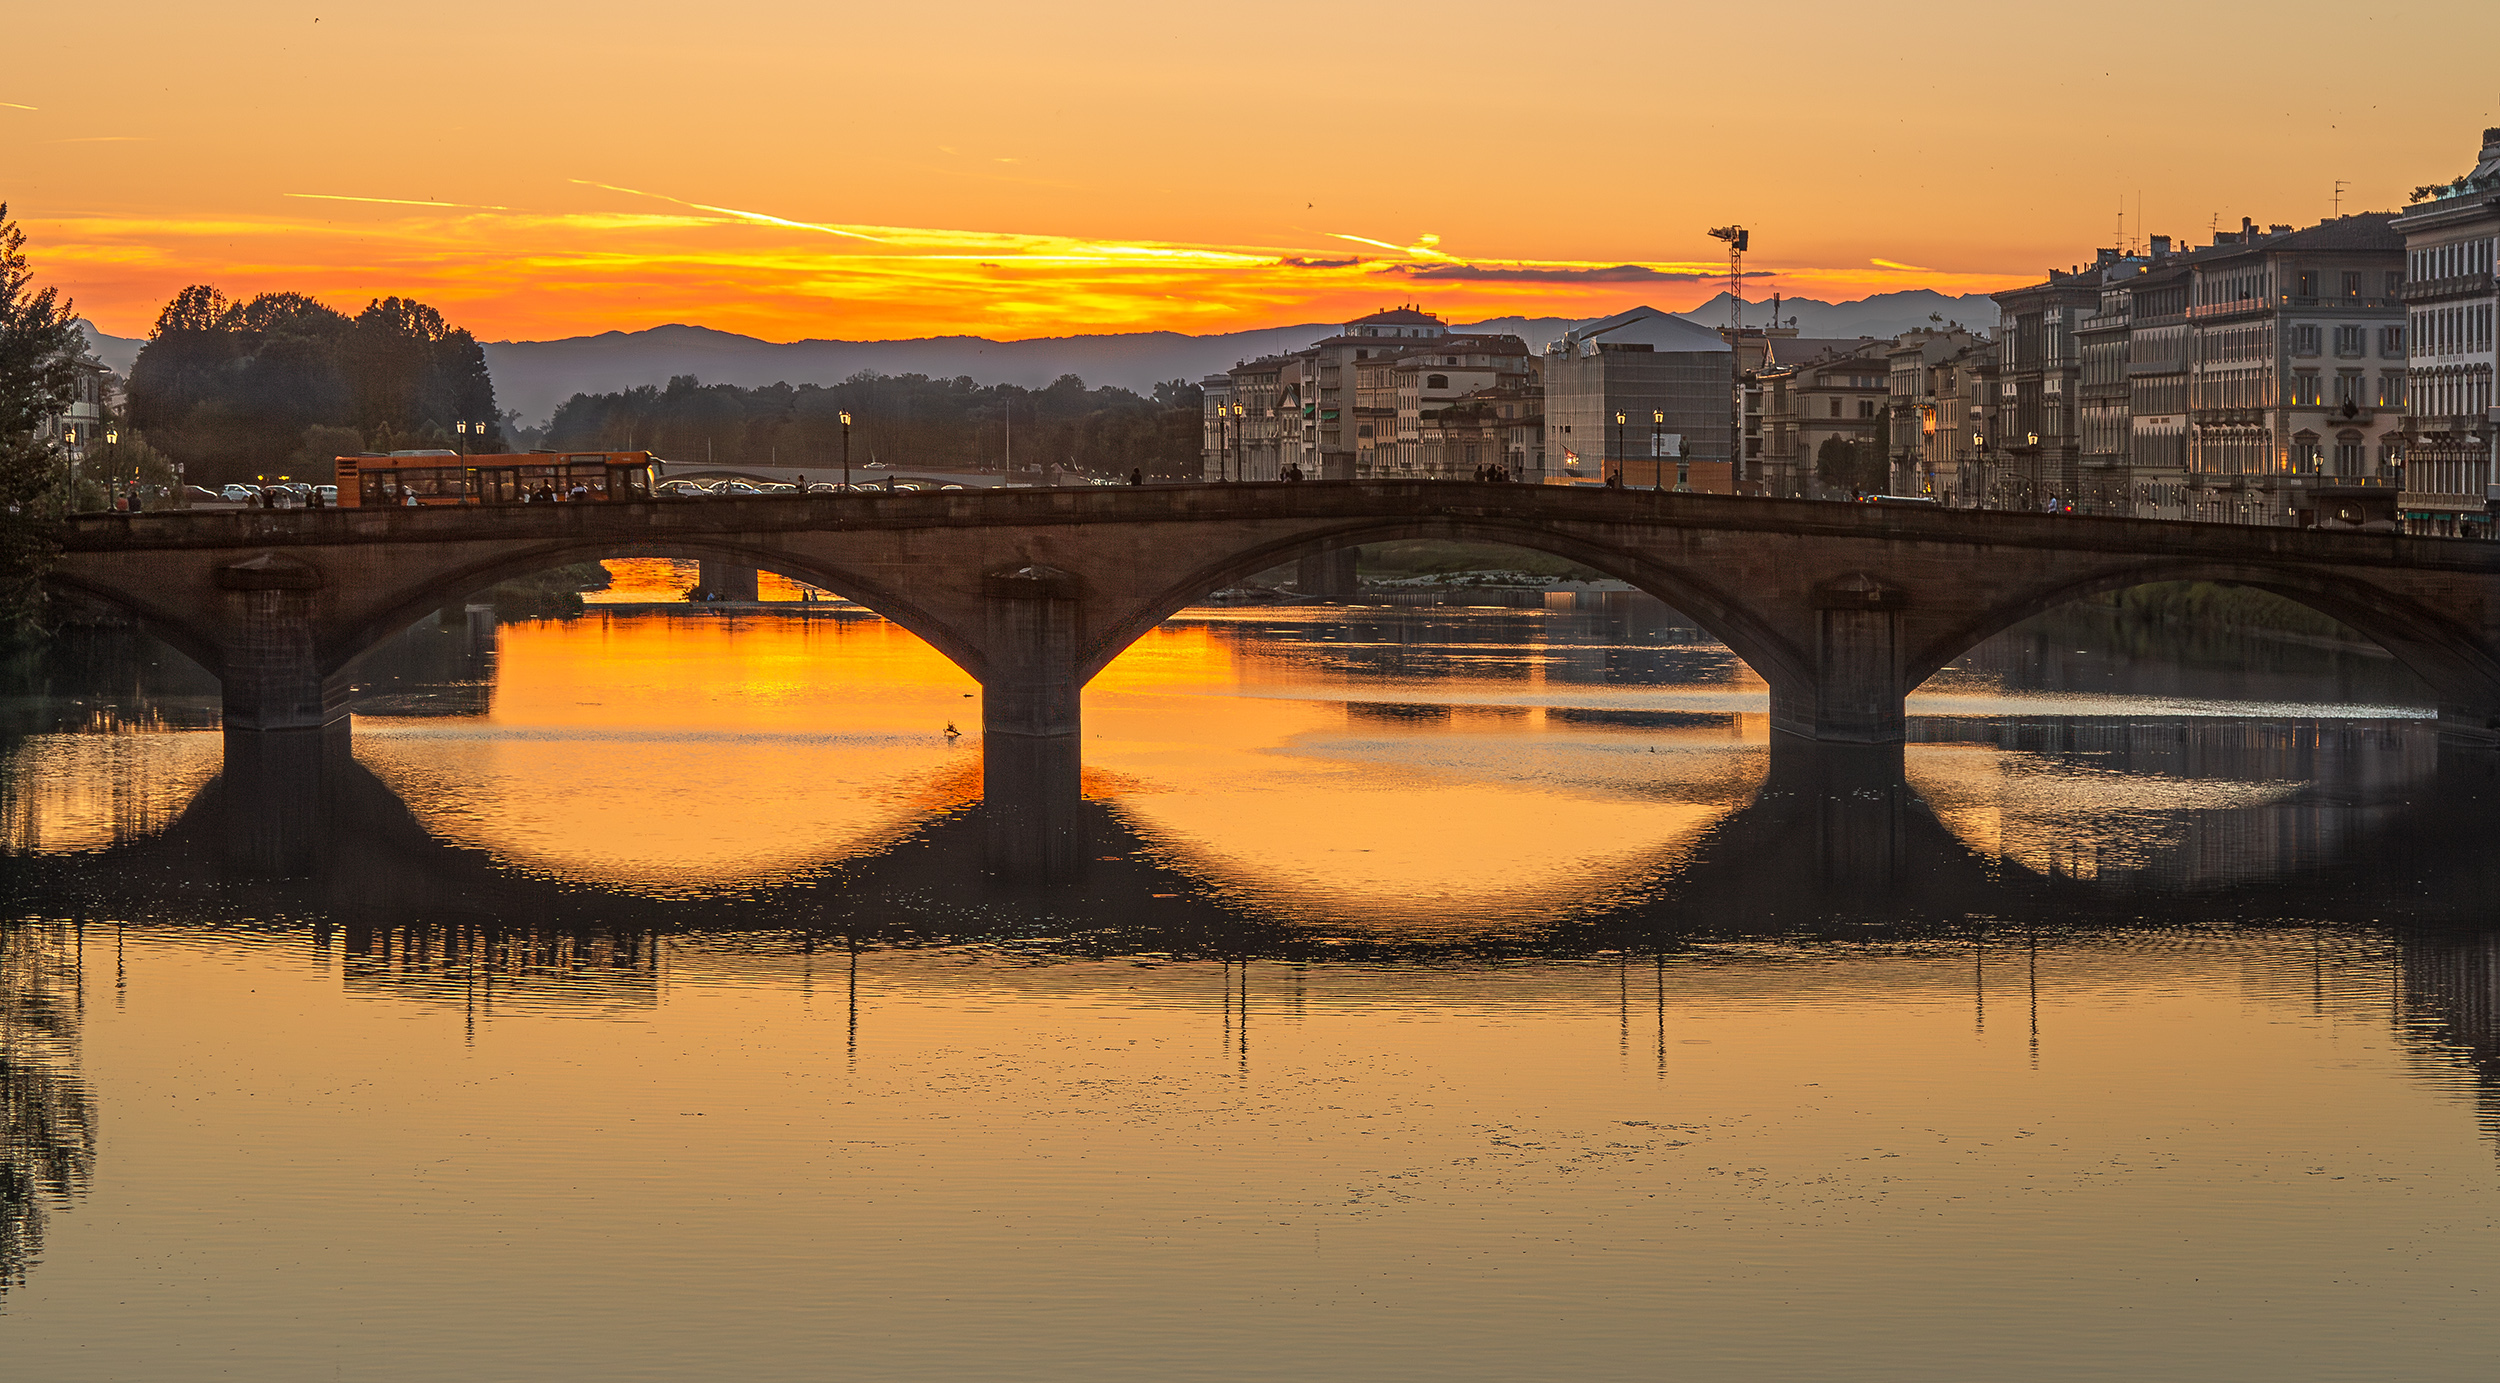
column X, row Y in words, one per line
column 1014, row 170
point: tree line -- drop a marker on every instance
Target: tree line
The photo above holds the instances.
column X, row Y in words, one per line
column 905, row 421
column 280, row 382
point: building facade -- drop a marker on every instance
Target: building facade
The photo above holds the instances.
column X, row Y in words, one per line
column 2039, row 375
column 1628, row 394
column 2293, row 337
column 2451, row 443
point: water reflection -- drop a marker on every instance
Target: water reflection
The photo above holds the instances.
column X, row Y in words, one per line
column 1418, row 968
column 47, row 1115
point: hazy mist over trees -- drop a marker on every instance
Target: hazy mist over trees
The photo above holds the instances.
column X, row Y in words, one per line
column 233, row 389
column 902, row 420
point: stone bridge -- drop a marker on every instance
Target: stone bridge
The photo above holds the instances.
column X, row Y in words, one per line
column 1842, row 609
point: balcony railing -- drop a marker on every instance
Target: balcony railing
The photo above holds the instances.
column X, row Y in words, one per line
column 2423, row 290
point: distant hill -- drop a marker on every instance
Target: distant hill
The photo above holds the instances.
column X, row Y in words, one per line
column 1884, row 314
column 532, row 377
column 117, row 352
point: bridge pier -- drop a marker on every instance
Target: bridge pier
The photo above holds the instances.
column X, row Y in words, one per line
column 726, row 581
column 269, row 669
column 1329, row 575
column 276, row 801
column 1032, row 723
column 1856, row 695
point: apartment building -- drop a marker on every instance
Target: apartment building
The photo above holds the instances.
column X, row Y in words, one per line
column 1914, row 366
column 1418, row 385
column 2451, row 444
column 2156, row 360
column 2295, row 339
column 2039, row 373
column 1814, row 390
column 1301, row 409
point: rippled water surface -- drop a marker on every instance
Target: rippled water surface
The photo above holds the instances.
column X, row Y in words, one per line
column 1447, row 993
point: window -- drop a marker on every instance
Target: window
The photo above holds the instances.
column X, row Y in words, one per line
column 1866, row 408
column 2395, row 282
column 2352, row 284
column 2348, row 453
column 2348, row 388
column 2391, row 342
column 2305, row 386
column 2308, row 283
column 2391, row 389
column 2305, row 339
column 1436, row 381
column 1835, row 408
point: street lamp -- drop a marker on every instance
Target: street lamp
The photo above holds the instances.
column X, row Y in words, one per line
column 846, row 451
column 1240, row 416
column 1619, row 484
column 463, row 429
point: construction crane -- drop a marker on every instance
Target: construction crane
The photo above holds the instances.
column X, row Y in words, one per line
column 1737, row 240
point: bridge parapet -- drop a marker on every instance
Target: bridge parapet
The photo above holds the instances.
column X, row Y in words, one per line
column 1843, row 609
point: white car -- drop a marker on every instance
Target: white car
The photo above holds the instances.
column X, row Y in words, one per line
column 240, row 494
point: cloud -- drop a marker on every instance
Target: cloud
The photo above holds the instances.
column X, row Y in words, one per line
column 1891, row 264
column 1617, row 273
column 15, row 106
column 1304, row 262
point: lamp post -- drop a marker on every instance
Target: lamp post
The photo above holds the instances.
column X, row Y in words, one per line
column 463, row 429
column 846, row 451
column 1618, row 474
column 1240, row 417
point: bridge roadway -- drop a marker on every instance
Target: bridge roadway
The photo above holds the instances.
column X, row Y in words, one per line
column 1843, row 609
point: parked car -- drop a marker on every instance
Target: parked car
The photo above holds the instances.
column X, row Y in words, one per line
column 240, row 494
column 329, row 495
column 876, row 466
column 737, row 488
column 681, row 489
column 200, row 494
column 950, row 486
column 824, row 487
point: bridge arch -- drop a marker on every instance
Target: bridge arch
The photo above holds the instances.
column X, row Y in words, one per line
column 406, row 607
column 2444, row 654
column 160, row 622
column 1718, row 612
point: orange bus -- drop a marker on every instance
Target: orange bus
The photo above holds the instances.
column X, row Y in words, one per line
column 417, row 478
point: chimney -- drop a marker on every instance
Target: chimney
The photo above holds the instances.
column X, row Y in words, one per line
column 2161, row 246
column 2278, row 230
column 2248, row 229
column 2102, row 259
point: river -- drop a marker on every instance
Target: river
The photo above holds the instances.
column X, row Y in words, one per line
column 1448, row 993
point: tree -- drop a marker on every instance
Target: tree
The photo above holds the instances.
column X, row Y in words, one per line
column 39, row 348
column 229, row 388
column 1855, row 464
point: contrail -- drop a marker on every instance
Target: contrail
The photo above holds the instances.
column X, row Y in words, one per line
column 393, row 201
column 756, row 216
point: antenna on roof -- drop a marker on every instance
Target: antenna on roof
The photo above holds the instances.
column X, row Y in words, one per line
column 2340, row 185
